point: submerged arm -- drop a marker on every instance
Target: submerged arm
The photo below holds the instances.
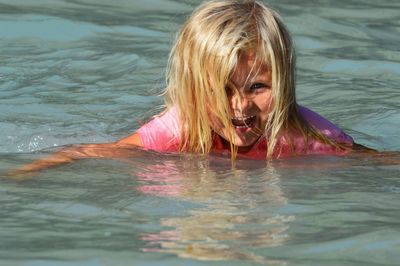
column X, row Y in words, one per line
column 373, row 156
column 120, row 149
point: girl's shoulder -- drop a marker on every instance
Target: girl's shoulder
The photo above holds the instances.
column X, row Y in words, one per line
column 325, row 126
column 162, row 132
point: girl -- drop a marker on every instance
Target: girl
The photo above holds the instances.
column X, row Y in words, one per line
column 230, row 88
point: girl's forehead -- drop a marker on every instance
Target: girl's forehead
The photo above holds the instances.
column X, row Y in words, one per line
column 248, row 70
column 249, row 64
column 251, row 60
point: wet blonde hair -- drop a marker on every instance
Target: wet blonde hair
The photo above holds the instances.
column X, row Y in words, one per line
column 205, row 54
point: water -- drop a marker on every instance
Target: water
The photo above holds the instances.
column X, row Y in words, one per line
column 90, row 71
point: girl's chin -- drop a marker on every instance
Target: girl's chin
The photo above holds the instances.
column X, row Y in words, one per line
column 246, row 137
column 245, row 144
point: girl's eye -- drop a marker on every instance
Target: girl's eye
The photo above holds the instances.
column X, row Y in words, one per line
column 257, row 86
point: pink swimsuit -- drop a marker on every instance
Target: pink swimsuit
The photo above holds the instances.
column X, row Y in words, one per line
column 162, row 134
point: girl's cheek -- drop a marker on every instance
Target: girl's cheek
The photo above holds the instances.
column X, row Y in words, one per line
column 264, row 102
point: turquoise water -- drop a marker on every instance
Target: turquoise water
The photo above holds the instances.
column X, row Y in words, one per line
column 90, row 71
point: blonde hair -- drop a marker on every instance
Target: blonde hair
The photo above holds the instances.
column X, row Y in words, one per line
column 205, row 54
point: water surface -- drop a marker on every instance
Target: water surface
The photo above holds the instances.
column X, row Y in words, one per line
column 90, row 71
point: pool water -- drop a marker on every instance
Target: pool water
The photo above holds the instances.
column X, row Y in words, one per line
column 90, row 71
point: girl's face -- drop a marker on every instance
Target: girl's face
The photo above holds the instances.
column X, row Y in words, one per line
column 250, row 103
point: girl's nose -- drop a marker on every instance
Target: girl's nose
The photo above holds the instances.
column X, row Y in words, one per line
column 239, row 102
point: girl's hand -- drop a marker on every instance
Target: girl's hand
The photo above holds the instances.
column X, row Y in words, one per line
column 76, row 152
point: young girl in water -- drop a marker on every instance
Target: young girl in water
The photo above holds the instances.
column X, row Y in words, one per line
column 230, row 89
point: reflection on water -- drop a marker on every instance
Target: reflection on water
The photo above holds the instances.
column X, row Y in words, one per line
column 203, row 210
column 236, row 213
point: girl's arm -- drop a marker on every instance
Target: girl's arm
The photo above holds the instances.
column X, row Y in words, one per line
column 368, row 155
column 120, row 149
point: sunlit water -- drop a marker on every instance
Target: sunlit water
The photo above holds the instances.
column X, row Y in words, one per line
column 90, row 71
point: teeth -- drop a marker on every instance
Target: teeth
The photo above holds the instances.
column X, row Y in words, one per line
column 242, row 122
column 243, row 117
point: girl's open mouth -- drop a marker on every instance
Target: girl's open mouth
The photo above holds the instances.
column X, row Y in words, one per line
column 244, row 122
